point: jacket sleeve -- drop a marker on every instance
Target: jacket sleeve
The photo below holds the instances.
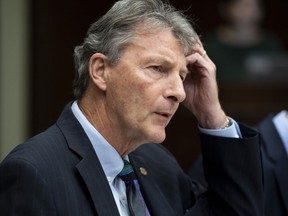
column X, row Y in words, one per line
column 233, row 171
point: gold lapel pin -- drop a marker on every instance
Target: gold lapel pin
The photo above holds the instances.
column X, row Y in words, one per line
column 143, row 171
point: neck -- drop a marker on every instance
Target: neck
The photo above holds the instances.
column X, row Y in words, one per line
column 96, row 113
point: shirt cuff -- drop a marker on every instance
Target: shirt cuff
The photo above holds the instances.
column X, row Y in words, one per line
column 232, row 132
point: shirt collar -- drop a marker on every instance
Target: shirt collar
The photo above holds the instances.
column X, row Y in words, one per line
column 281, row 123
column 109, row 158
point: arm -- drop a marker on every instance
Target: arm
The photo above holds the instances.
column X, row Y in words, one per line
column 232, row 165
column 233, row 172
column 202, row 90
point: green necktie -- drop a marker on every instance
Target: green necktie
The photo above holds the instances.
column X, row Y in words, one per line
column 136, row 203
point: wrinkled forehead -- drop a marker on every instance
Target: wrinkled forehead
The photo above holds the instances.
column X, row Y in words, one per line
column 147, row 29
column 158, row 46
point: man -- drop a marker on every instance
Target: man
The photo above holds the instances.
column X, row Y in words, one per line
column 274, row 133
column 130, row 73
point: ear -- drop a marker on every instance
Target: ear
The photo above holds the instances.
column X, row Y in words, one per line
column 97, row 70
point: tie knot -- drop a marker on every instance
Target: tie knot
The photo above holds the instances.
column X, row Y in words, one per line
column 127, row 173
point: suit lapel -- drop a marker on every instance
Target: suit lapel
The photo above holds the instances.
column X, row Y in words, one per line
column 277, row 154
column 89, row 166
column 97, row 185
column 154, row 199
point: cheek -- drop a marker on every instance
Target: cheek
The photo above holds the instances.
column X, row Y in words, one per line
column 131, row 91
column 129, row 95
column 137, row 94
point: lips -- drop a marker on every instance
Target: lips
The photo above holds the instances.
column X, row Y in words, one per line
column 164, row 114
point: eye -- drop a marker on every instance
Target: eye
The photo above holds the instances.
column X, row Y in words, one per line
column 157, row 68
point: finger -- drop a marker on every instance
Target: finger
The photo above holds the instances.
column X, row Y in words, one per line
column 198, row 58
column 196, row 62
column 203, row 55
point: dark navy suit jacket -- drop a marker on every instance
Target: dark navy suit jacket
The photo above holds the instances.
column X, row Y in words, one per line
column 58, row 173
column 275, row 169
column 275, row 163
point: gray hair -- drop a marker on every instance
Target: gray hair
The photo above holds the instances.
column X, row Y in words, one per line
column 115, row 30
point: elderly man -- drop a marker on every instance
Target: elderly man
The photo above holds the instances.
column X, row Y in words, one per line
column 136, row 65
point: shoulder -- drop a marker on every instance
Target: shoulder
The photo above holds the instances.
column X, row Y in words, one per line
column 38, row 151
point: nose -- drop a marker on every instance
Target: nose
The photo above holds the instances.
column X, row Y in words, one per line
column 175, row 90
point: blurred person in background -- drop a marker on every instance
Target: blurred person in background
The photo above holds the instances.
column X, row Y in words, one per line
column 274, row 136
column 240, row 46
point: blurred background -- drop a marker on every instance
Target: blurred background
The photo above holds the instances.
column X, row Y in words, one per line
column 37, row 38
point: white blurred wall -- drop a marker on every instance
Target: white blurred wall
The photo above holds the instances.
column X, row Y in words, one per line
column 14, row 73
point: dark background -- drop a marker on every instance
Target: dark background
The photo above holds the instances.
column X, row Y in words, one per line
column 58, row 26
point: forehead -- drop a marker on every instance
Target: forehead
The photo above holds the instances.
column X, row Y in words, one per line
column 152, row 31
column 159, row 41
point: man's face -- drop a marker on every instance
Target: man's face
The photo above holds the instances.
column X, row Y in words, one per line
column 145, row 88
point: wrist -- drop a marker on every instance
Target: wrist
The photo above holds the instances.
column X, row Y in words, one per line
column 218, row 120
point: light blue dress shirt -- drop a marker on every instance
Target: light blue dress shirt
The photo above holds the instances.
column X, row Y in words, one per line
column 233, row 131
column 281, row 123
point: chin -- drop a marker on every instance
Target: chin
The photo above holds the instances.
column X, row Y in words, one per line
column 158, row 137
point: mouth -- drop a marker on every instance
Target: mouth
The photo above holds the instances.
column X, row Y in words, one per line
column 164, row 114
